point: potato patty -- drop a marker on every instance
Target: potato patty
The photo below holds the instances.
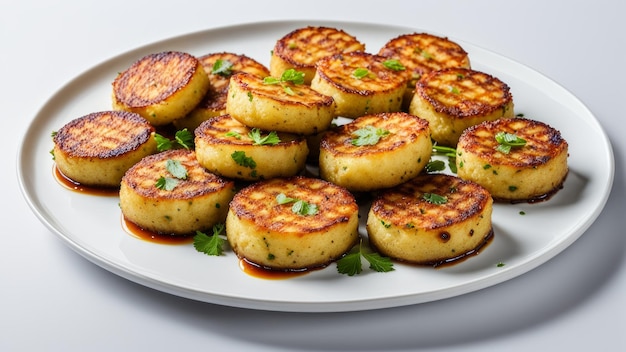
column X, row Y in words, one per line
column 267, row 224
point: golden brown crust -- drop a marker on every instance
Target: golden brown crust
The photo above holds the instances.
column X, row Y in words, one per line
column 407, row 206
column 257, row 203
column 303, row 47
column 226, row 130
column 460, row 92
column 543, row 143
column 422, row 52
column 304, row 95
column 154, row 78
column 339, row 71
column 403, row 128
column 105, row 134
column 143, row 176
column 237, row 63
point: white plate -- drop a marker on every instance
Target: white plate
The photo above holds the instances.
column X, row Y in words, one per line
column 91, row 225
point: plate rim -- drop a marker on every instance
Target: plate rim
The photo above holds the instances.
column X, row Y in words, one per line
column 327, row 306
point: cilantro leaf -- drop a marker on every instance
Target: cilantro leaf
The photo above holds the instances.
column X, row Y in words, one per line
column 378, row 262
column 210, row 245
column 434, row 198
column 293, row 76
column 360, row 73
column 394, row 64
column 166, row 183
column 270, row 139
column 176, row 168
column 506, row 141
column 283, row 199
column 241, row 159
column 290, row 75
column 350, row 264
column 222, row 67
column 234, row 134
column 271, row 80
column 184, row 138
column 435, row 165
column 302, row 207
column 368, row 135
column 448, row 152
column 163, row 143
column 299, row 206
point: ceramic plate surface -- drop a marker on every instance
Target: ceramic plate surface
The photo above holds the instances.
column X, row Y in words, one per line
column 91, row 225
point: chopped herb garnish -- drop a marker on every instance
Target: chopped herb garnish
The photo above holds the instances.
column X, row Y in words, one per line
column 368, row 135
column 288, row 90
column 293, row 76
column 184, row 138
column 176, row 168
column 166, row 183
column 269, row 139
column 500, row 264
column 435, row 165
column 360, row 73
column 233, row 134
column 506, row 141
column 210, row 245
column 434, row 198
column 283, row 199
column 454, row 90
column 351, row 265
column 271, row 80
column 222, row 67
column 448, row 152
column 241, row 159
column 163, row 143
column 290, row 75
column 394, row 64
column 299, row 206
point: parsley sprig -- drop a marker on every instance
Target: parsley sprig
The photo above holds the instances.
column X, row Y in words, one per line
column 506, row 141
column 177, row 170
column 210, row 245
column 435, row 198
column 368, row 135
column 242, row 160
column 351, row 264
column 299, row 206
column 222, row 67
column 182, row 138
column 269, row 139
column 360, row 73
column 448, row 152
column 394, row 64
column 289, row 76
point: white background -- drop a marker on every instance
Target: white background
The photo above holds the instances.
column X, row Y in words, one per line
column 53, row 299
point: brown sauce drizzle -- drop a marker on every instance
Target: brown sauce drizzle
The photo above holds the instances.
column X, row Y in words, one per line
column 463, row 257
column 260, row 272
column 72, row 185
column 154, row 237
